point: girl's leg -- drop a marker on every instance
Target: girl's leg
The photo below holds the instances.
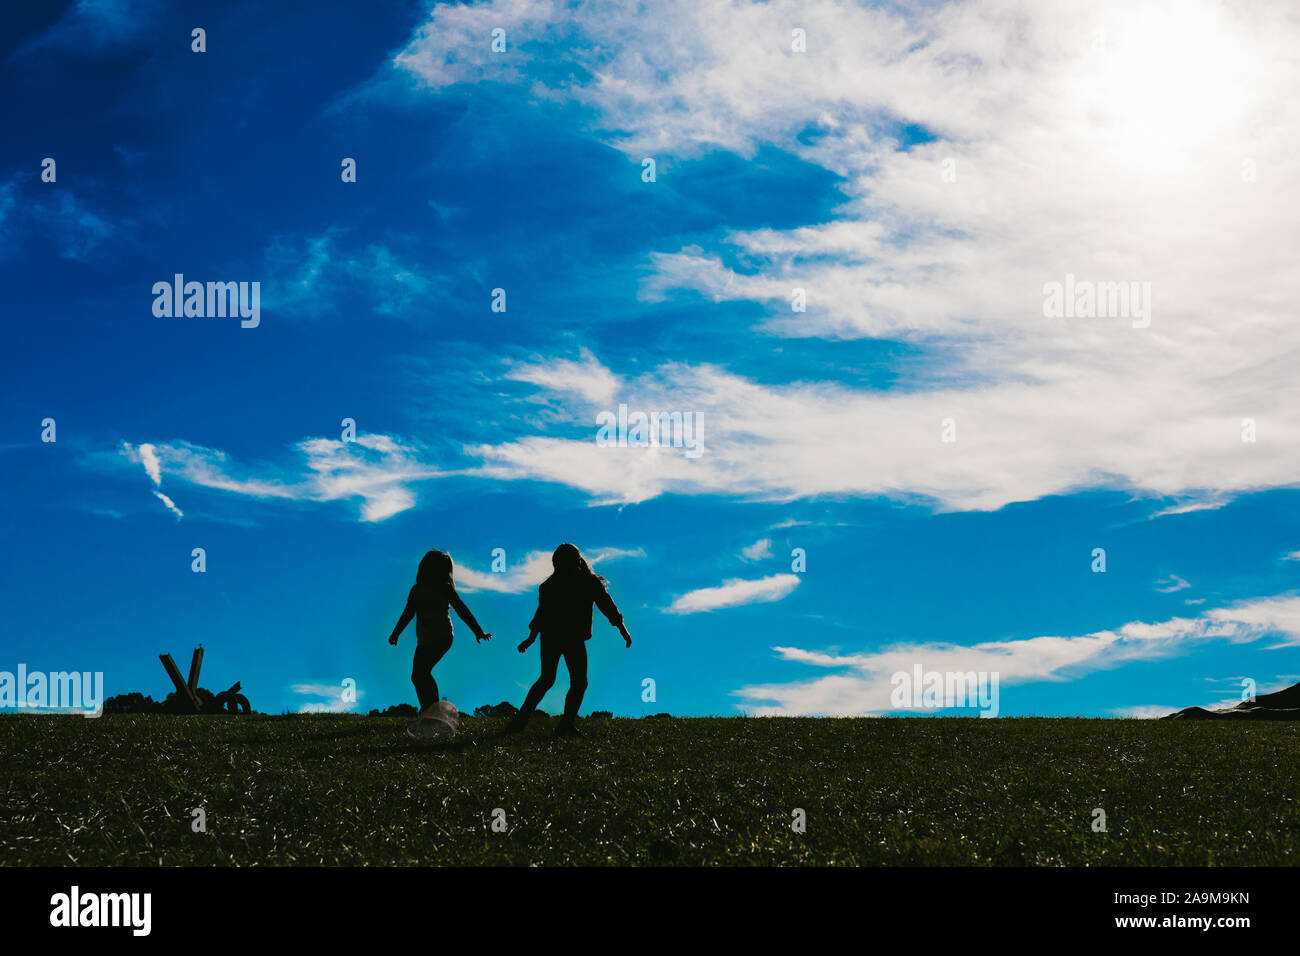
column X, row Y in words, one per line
column 550, row 661
column 575, row 659
column 426, row 688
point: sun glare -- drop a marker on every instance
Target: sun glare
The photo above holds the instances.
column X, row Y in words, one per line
column 1169, row 78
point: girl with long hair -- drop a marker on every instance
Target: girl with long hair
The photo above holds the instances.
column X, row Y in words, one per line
column 563, row 618
column 430, row 602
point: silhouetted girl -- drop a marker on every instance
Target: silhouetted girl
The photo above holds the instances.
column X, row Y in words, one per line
column 564, row 602
column 430, row 602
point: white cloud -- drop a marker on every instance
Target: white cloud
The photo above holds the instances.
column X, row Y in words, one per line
column 586, row 378
column 171, row 505
column 1070, row 128
column 1207, row 502
column 530, row 572
column 760, row 549
column 1171, row 584
column 1143, row 711
column 862, row 684
column 1293, row 556
column 333, row 702
column 149, row 458
column 734, row 593
column 807, row 439
column 455, row 45
column 377, row 469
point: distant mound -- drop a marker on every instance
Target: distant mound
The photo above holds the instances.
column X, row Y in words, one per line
column 1281, row 705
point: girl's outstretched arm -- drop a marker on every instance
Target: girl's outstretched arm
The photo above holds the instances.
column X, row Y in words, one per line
column 611, row 611
column 525, row 644
column 467, row 617
column 408, row 612
column 534, row 626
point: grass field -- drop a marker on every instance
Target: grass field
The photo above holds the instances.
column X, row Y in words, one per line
column 354, row 790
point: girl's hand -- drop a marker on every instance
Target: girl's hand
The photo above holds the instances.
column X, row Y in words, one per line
column 393, row 640
column 525, row 644
column 482, row 637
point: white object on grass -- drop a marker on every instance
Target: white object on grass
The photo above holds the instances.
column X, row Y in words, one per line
column 438, row 721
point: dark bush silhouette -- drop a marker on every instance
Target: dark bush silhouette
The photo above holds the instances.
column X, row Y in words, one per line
column 503, row 709
column 397, row 710
column 132, row 703
column 602, row 713
column 135, row 702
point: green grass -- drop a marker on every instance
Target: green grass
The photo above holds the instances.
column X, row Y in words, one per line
column 310, row 790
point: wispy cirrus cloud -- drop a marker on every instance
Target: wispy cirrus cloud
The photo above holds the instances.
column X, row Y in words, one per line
column 379, row 470
column 795, row 441
column 54, row 213
column 169, row 504
column 316, row 275
column 1203, row 502
column 93, row 25
column 861, row 684
column 147, row 456
column 8, row 193
column 531, row 571
column 735, row 592
column 77, row 228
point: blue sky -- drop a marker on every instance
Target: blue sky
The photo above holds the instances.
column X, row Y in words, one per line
column 919, row 175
